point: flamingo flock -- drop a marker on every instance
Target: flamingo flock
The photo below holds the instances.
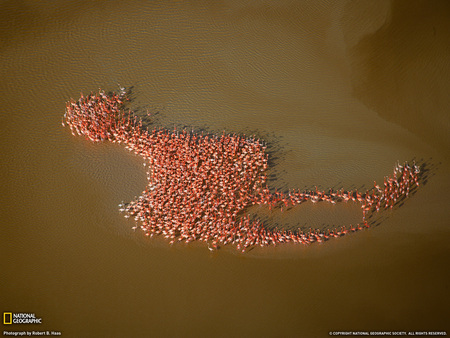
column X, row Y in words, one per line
column 199, row 185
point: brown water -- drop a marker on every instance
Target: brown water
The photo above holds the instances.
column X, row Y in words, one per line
column 340, row 91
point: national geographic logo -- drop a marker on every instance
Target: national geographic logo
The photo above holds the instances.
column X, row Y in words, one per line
column 7, row 318
column 20, row 318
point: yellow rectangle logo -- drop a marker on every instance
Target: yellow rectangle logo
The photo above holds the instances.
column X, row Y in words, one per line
column 7, row 317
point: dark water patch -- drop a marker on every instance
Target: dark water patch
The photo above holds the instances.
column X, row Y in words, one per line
column 402, row 70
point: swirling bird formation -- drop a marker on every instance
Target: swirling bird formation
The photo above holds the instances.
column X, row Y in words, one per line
column 199, row 185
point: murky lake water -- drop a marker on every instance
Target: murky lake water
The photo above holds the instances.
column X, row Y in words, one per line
column 340, row 91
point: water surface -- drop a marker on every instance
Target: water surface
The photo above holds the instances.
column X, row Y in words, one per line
column 340, row 91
